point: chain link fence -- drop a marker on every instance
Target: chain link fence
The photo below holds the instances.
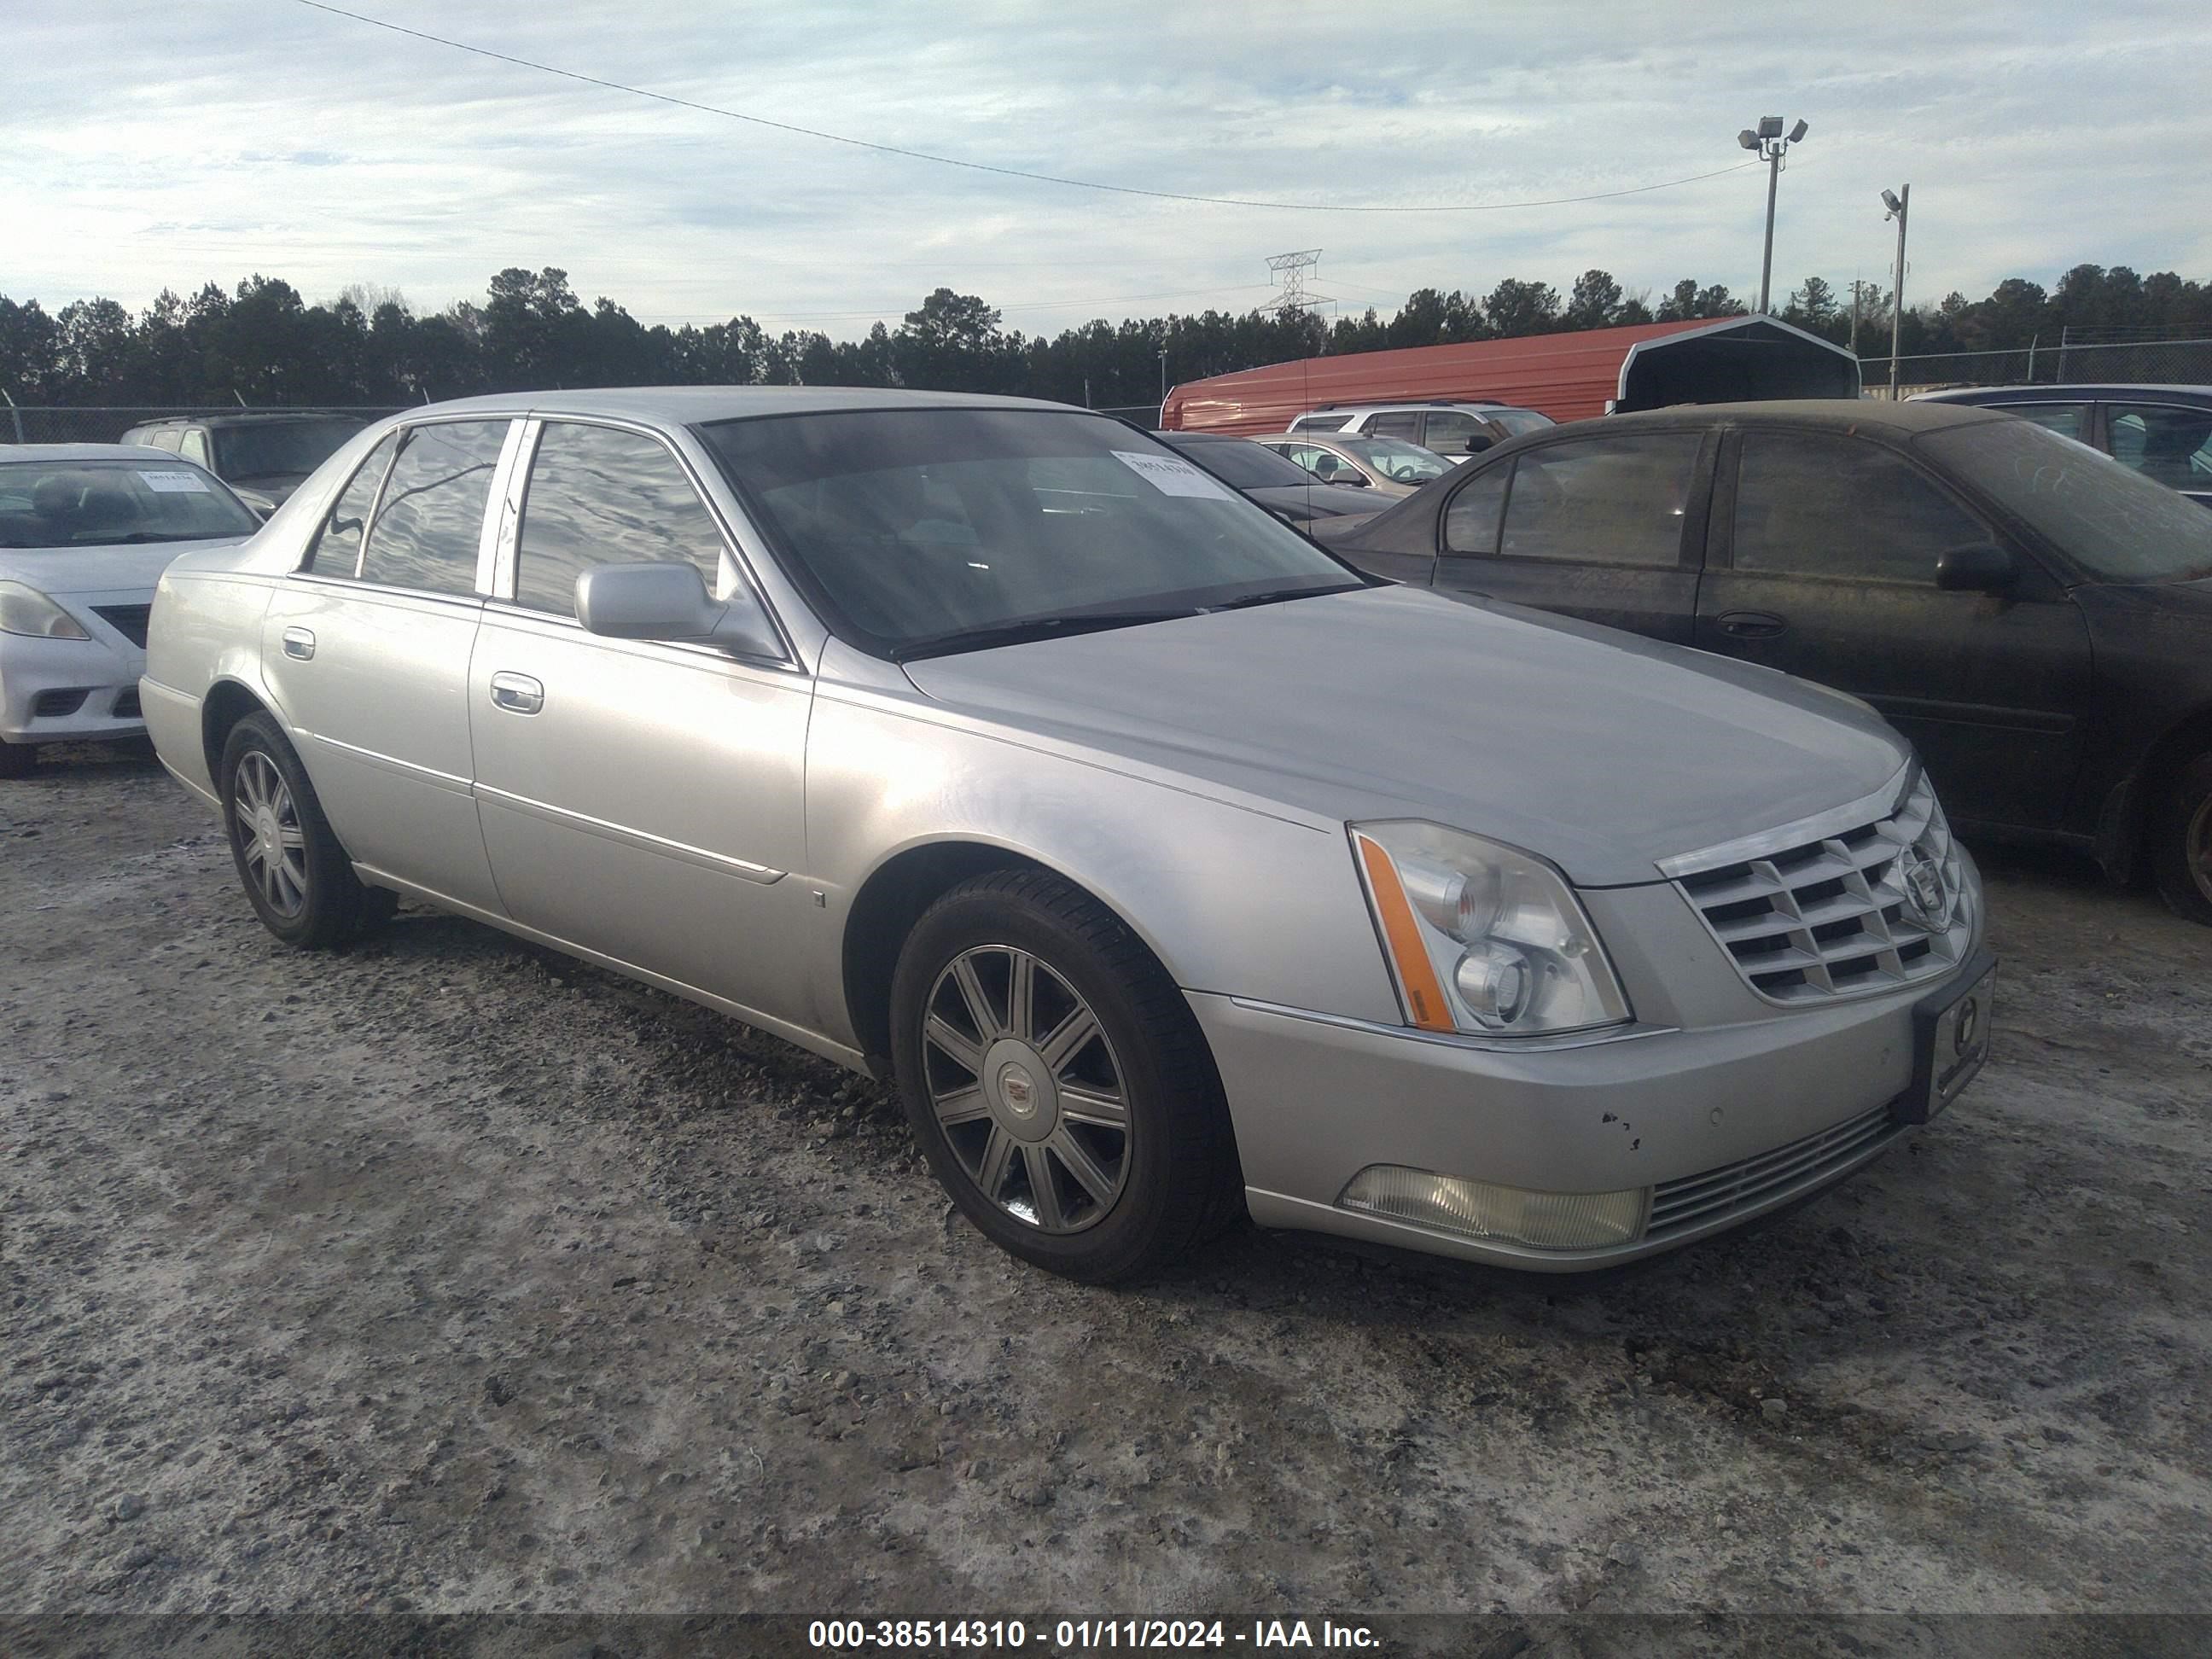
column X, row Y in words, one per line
column 2127, row 362
column 106, row 425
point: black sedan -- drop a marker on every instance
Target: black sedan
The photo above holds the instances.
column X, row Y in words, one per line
column 1282, row 486
column 2034, row 615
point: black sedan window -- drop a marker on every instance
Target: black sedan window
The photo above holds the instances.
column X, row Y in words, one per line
column 1602, row 501
column 1811, row 505
column 2116, row 525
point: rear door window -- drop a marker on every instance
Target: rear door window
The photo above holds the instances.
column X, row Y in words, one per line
column 336, row 548
column 431, row 523
column 1404, row 423
column 1471, row 520
column 1602, row 501
column 600, row 495
column 2163, row 441
column 2067, row 420
column 1449, row 432
column 1809, row 505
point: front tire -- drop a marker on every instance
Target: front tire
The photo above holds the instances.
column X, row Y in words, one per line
column 297, row 877
column 1057, row 1082
column 2181, row 843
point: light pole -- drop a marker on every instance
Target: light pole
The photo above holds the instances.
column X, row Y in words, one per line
column 1766, row 141
column 1163, row 379
column 1897, row 205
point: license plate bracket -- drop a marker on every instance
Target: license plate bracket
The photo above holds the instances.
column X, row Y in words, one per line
column 1950, row 1040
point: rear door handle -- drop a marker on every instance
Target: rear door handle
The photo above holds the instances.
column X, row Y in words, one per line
column 300, row 642
column 1750, row 624
column 517, row 693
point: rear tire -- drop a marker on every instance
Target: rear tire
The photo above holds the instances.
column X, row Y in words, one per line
column 2181, row 843
column 1125, row 1130
column 297, row 877
column 17, row 759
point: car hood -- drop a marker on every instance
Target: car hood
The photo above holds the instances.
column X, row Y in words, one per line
column 1597, row 750
column 64, row 570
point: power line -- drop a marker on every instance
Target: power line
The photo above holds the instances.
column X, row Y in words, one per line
column 985, row 167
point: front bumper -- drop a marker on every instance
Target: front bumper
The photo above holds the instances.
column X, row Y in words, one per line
column 1763, row 1111
column 37, row 674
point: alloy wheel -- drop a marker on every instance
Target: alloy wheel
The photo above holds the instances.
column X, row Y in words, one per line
column 1026, row 1088
column 272, row 839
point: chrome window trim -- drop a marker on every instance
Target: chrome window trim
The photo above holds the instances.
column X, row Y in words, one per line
column 1881, row 803
column 489, row 533
column 506, row 611
column 733, row 548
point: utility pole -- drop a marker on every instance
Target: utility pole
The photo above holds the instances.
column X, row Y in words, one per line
column 1767, row 142
column 1897, row 205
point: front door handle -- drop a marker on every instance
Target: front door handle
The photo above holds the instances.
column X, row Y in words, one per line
column 1751, row 624
column 518, row 694
column 300, row 643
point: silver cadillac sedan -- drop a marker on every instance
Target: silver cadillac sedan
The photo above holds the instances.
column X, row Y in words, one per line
column 1170, row 868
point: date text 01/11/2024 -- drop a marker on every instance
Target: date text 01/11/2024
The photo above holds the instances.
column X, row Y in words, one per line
column 1084, row 1635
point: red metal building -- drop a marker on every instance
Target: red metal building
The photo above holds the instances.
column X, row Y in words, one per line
column 1568, row 377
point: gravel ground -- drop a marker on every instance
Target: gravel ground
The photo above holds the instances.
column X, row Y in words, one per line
column 446, row 1274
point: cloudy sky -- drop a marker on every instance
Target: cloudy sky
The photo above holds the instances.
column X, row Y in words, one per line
column 145, row 145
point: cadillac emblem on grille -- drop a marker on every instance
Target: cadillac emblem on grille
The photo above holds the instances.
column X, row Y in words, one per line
column 1922, row 881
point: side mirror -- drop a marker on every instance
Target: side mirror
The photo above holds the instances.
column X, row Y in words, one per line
column 1977, row 567
column 1478, row 443
column 670, row 602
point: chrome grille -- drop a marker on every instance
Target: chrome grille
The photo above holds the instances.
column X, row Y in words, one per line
column 1696, row 1200
column 1840, row 905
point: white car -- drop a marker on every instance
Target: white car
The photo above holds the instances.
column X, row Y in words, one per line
column 1453, row 430
column 86, row 531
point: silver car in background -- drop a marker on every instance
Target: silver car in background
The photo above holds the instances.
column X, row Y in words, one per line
column 86, row 530
column 1165, row 863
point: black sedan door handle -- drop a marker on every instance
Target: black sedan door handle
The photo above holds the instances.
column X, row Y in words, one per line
column 1750, row 624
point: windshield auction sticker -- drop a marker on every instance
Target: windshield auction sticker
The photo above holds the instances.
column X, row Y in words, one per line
column 1171, row 477
column 175, row 484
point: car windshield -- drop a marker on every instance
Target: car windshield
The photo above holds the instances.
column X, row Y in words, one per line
column 939, row 530
column 1244, row 463
column 279, row 448
column 2115, row 524
column 106, row 503
column 1394, row 458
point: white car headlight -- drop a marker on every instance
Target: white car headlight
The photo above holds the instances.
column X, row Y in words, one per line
column 1483, row 939
column 26, row 611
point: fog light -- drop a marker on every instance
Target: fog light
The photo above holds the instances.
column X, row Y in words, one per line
column 1479, row 1209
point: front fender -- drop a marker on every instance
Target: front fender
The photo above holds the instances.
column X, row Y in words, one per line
column 1232, row 900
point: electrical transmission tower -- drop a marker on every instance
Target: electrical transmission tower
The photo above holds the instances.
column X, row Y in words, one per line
column 1290, row 269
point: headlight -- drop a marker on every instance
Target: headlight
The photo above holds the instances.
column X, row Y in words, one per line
column 26, row 611
column 1483, row 939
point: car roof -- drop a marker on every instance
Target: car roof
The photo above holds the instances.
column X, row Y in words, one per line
column 2103, row 389
column 1834, row 414
column 1389, row 409
column 252, row 417
column 697, row 404
column 134, row 453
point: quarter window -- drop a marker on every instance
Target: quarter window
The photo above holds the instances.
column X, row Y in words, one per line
column 1320, row 422
column 1605, row 501
column 1471, row 520
column 336, row 550
column 191, row 444
column 1838, row 507
column 602, row 496
column 427, row 530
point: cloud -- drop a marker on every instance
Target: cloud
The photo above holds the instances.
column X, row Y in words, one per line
column 225, row 138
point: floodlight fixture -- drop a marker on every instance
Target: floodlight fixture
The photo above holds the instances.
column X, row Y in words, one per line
column 1748, row 138
column 1768, row 143
column 1889, row 200
column 1797, row 132
column 1770, row 126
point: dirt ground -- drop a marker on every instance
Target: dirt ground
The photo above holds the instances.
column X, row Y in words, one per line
column 446, row 1274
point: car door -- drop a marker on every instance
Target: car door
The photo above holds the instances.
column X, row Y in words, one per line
column 2170, row 442
column 367, row 649
column 641, row 801
column 1604, row 528
column 1823, row 564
